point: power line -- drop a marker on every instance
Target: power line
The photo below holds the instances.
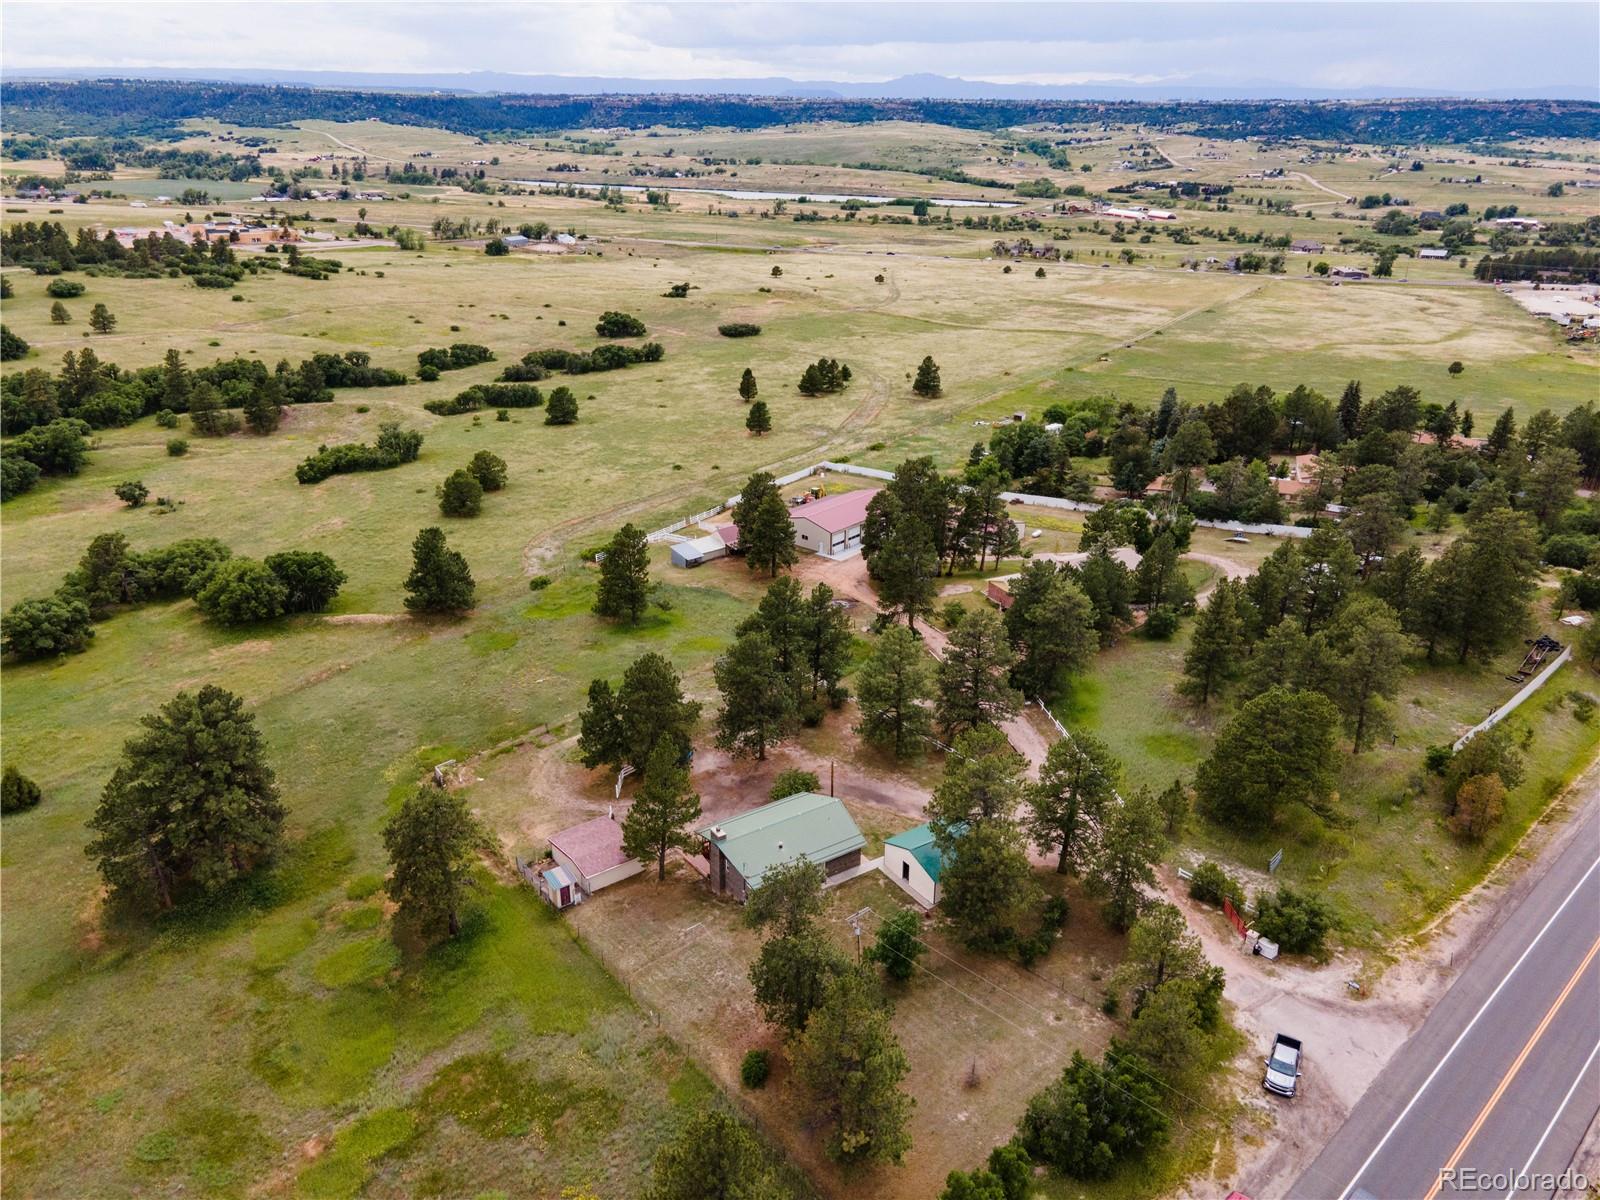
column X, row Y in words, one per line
column 1031, row 1033
column 1178, row 1092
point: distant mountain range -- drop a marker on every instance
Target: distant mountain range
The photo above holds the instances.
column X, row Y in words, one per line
column 911, row 87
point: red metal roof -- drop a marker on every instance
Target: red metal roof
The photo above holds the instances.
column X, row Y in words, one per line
column 835, row 514
column 593, row 847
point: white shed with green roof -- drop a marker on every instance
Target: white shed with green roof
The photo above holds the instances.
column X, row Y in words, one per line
column 742, row 849
column 913, row 861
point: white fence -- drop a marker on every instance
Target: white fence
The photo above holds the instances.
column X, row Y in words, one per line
column 1511, row 705
column 1264, row 530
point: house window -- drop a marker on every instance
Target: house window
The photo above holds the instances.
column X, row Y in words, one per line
column 905, row 870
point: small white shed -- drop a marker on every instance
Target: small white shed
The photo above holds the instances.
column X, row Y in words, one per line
column 913, row 861
column 699, row 550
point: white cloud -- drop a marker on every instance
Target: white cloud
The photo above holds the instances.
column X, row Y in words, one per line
column 1415, row 44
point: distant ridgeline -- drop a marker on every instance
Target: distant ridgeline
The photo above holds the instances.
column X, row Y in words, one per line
column 148, row 107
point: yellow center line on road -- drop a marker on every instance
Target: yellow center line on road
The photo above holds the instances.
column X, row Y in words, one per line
column 1511, row 1072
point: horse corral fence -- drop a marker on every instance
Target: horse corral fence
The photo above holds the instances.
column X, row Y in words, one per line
column 1262, row 530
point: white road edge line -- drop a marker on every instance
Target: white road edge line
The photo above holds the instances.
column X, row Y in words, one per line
column 1560, row 1109
column 1460, row 1037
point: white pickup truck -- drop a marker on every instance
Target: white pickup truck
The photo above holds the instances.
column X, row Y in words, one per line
column 1283, row 1066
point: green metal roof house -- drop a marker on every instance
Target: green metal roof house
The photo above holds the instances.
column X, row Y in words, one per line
column 742, row 849
column 914, row 862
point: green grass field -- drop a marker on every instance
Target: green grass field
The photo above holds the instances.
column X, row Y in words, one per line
column 278, row 1043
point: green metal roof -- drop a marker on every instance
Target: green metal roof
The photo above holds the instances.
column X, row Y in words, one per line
column 804, row 825
column 918, row 842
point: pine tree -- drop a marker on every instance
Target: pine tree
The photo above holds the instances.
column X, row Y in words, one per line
column 101, row 319
column 18, row 793
column 1066, row 807
column 561, row 408
column 662, row 811
column 192, row 801
column 757, row 698
column 625, row 585
column 1124, row 864
column 263, row 408
column 1051, row 627
column 758, row 419
column 927, row 381
column 827, row 642
column 1350, row 410
column 766, row 535
column 1216, row 651
column 431, row 842
column 59, row 314
column 905, row 563
column 982, row 782
column 747, row 386
column 624, row 727
column 892, row 688
column 987, row 886
column 1370, row 648
column 439, row 579
column 850, row 1063
column 460, row 495
column 713, row 1157
column 972, row 678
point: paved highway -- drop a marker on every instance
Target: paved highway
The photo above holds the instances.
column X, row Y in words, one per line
column 1503, row 1078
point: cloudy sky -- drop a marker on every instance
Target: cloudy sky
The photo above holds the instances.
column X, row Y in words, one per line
column 1434, row 45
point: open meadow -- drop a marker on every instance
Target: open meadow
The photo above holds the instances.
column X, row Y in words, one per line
column 278, row 1042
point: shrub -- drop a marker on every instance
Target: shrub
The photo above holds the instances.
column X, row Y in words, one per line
column 393, row 447
column 241, row 591
column 755, row 1067
column 64, row 289
column 738, row 329
column 454, row 357
column 17, row 475
column 487, row 395
column 167, row 419
column 18, row 793
column 538, row 583
column 428, row 373
column 461, row 495
column 1212, row 885
column 1298, row 921
column 619, row 325
column 177, row 447
column 46, row 627
column 1161, row 623
column 1568, row 550
column 489, row 470
column 792, row 782
column 131, row 492
column 310, row 579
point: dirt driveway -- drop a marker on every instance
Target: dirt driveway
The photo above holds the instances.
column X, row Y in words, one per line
column 1351, row 1036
